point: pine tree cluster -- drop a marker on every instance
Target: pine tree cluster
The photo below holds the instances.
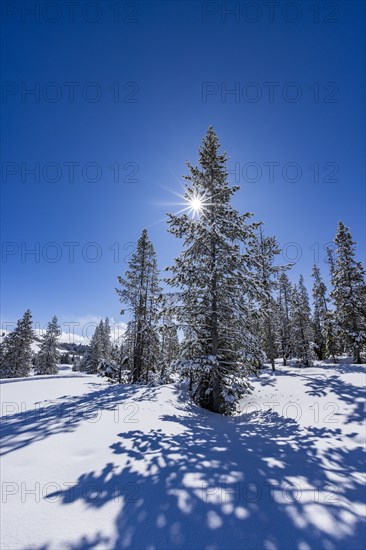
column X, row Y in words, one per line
column 99, row 350
column 233, row 305
column 230, row 308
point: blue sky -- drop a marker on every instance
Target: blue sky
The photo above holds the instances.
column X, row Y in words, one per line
column 147, row 83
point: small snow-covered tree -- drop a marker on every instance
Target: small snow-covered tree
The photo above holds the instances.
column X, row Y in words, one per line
column 105, row 336
column 349, row 293
column 213, row 281
column 117, row 367
column 140, row 293
column 169, row 343
column 2, row 350
column 283, row 321
column 95, row 351
column 48, row 355
column 17, row 350
column 261, row 253
column 301, row 324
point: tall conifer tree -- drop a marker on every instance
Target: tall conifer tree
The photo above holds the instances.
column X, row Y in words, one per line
column 262, row 252
column 48, row 355
column 349, row 294
column 283, row 329
column 17, row 350
column 140, row 293
column 213, row 279
column 320, row 313
column 301, row 328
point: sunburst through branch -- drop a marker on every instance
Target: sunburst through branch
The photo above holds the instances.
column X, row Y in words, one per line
column 194, row 204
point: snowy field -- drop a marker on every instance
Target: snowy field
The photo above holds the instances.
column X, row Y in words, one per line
column 88, row 465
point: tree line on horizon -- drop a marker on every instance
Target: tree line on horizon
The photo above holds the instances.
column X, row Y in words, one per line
column 229, row 308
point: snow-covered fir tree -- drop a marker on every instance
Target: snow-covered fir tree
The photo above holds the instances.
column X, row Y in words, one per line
column 349, row 294
column 301, row 328
column 95, row 351
column 140, row 294
column 333, row 340
column 2, row 350
column 326, row 336
column 48, row 355
column 106, row 339
column 116, row 367
column 214, row 282
column 283, row 321
column 17, row 350
column 127, row 344
column 170, row 348
column 320, row 314
column 261, row 254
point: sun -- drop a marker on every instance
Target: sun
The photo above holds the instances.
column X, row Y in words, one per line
column 196, row 204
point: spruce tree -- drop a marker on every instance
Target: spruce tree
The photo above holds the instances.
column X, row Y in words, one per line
column 17, row 350
column 349, row 294
column 320, row 314
column 2, row 349
column 333, row 340
column 95, row 352
column 48, row 355
column 127, row 345
column 106, row 340
column 213, row 281
column 169, row 343
column 283, row 317
column 140, row 293
column 301, row 324
column 262, row 252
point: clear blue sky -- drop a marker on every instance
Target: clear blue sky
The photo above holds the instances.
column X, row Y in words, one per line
column 162, row 54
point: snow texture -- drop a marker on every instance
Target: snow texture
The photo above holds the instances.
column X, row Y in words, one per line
column 88, row 465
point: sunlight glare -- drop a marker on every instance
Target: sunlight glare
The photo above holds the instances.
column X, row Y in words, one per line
column 196, row 204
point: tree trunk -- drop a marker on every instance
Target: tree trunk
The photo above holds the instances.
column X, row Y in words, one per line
column 214, row 335
column 304, row 346
column 271, row 351
column 214, row 330
column 137, row 355
column 357, row 355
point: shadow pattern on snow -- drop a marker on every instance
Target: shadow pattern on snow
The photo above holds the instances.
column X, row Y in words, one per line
column 320, row 382
column 224, row 484
column 350, row 395
column 63, row 415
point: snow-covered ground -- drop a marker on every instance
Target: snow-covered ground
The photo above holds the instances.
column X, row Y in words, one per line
column 88, row 465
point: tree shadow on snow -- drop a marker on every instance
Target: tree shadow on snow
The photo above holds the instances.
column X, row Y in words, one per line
column 353, row 397
column 62, row 415
column 225, row 484
column 320, row 383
